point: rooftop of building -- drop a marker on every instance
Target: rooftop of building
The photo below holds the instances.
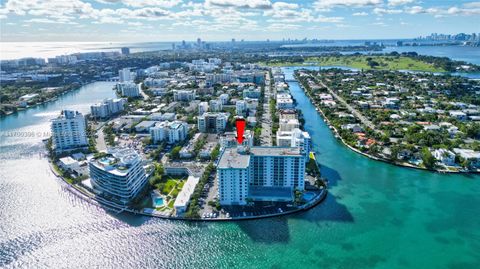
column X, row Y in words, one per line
column 188, row 188
column 275, row 151
column 231, row 158
column 118, row 160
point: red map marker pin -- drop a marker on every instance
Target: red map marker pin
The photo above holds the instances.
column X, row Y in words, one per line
column 240, row 124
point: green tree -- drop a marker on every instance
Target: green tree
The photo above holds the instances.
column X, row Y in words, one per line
column 428, row 159
column 175, row 153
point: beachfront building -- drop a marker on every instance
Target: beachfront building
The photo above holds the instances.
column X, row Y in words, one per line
column 211, row 122
column 170, row 132
column 259, row 174
column 69, row 131
column 119, row 175
column 183, row 198
column 107, row 108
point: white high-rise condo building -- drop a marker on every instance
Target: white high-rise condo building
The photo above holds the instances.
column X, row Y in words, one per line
column 295, row 138
column 107, row 108
column 212, row 122
column 260, row 174
column 241, row 108
column 69, row 131
column 170, row 132
column 129, row 89
column 119, row 175
column 125, row 75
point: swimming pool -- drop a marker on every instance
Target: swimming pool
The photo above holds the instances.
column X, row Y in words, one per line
column 158, row 201
column 308, row 196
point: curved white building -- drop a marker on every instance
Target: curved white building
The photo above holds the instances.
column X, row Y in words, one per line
column 119, row 175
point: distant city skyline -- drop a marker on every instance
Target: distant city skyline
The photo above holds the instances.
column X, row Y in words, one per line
column 222, row 20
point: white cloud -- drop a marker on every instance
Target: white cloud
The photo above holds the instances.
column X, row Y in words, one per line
column 399, row 2
column 324, row 5
column 415, row 10
column 382, row 11
column 360, row 14
column 379, row 24
column 284, row 5
column 282, row 27
column 466, row 10
column 144, row 3
column 472, row 5
column 255, row 4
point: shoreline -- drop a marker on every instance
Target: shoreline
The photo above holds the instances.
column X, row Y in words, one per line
column 111, row 206
column 54, row 98
column 399, row 164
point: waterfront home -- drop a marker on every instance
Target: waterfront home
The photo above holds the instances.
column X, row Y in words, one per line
column 355, row 128
column 444, row 156
column 470, row 155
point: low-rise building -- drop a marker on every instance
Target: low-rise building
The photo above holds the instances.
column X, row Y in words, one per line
column 229, row 139
column 444, row 156
column 202, row 108
column 144, row 126
column 241, row 108
column 183, row 95
column 183, row 198
column 473, row 157
column 215, row 105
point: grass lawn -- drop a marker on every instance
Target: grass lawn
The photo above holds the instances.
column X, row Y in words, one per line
column 360, row 62
column 170, row 204
column 169, row 185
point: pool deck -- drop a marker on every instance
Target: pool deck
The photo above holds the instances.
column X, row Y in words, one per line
column 111, row 206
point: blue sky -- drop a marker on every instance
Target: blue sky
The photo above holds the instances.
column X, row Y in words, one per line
column 212, row 20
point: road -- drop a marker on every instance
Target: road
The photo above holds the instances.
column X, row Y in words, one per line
column 100, row 140
column 266, row 135
column 144, row 95
column 355, row 112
